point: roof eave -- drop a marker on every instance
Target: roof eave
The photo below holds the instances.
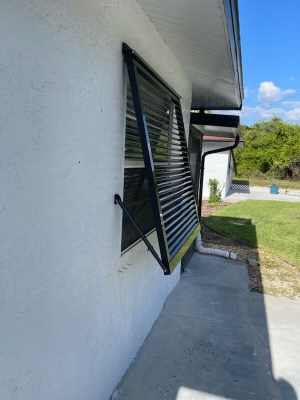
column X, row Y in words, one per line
column 231, row 10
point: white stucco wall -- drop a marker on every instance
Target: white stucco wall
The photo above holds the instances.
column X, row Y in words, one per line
column 216, row 167
column 73, row 311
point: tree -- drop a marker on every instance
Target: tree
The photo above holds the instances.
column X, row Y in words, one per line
column 272, row 150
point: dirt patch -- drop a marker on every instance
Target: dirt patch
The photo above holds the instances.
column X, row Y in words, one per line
column 209, row 209
column 277, row 276
column 271, row 275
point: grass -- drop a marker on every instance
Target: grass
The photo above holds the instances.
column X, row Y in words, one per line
column 270, row 225
column 267, row 182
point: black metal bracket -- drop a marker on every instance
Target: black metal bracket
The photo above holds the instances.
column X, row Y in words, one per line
column 143, row 237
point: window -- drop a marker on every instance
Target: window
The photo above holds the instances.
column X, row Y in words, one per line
column 136, row 192
column 158, row 188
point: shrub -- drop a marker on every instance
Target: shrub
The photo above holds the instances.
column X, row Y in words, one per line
column 215, row 192
column 272, row 151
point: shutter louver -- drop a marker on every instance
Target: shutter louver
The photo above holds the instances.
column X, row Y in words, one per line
column 158, row 138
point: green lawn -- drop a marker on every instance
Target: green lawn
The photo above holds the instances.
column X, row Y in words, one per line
column 267, row 182
column 270, row 225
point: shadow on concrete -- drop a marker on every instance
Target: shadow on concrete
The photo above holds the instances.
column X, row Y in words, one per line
column 212, row 339
column 246, row 232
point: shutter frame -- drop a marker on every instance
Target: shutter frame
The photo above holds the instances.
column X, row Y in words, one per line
column 159, row 169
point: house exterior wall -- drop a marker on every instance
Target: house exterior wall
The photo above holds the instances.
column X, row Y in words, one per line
column 73, row 311
column 216, row 167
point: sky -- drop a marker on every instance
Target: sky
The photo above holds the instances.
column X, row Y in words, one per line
column 270, row 34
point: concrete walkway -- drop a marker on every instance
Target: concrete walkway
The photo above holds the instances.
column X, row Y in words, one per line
column 216, row 340
column 234, row 196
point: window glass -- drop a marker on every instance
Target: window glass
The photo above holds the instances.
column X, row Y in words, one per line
column 136, row 193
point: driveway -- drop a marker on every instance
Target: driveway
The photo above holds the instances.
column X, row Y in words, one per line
column 216, row 340
column 234, row 196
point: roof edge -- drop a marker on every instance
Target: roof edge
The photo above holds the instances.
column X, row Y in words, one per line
column 231, row 9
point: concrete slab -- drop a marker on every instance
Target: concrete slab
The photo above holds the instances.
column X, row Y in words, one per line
column 234, row 196
column 216, row 340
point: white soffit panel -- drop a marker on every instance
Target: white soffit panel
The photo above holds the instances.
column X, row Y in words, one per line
column 197, row 33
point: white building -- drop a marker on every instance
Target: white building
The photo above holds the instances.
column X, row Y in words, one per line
column 212, row 140
column 75, row 309
column 220, row 166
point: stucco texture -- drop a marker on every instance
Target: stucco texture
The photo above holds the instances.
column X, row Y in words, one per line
column 73, row 311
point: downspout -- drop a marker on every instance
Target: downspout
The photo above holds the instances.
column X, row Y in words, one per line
column 198, row 242
column 234, row 162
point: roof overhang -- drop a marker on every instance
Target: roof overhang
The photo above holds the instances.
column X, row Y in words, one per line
column 216, row 125
column 223, row 140
column 226, row 121
column 205, row 37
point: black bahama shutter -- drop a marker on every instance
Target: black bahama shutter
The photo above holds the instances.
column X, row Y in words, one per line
column 157, row 136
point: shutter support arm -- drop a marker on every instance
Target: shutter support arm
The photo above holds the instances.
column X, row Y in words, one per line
column 143, row 237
